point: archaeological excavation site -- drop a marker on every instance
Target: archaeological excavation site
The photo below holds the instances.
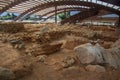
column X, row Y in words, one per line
column 59, row 39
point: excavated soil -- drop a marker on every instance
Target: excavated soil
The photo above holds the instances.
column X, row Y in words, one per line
column 27, row 66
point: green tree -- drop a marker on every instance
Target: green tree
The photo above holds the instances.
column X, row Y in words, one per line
column 65, row 15
column 6, row 17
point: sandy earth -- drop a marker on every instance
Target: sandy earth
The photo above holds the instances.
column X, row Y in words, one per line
column 27, row 68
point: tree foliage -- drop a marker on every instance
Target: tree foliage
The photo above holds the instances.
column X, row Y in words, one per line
column 63, row 16
column 8, row 16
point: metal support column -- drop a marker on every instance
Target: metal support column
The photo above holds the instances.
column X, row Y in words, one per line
column 65, row 13
column 55, row 14
column 119, row 24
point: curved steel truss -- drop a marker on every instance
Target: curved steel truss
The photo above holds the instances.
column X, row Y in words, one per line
column 68, row 2
column 7, row 4
column 40, row 7
column 51, row 10
column 52, row 13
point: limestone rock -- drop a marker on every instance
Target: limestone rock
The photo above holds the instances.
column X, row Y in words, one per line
column 114, row 57
column 6, row 74
column 116, row 44
column 88, row 53
column 95, row 54
column 17, row 43
column 41, row 58
column 68, row 61
column 95, row 68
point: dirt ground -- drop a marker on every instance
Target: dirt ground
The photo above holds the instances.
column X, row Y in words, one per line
column 27, row 66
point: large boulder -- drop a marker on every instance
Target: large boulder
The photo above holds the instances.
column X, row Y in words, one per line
column 91, row 54
column 6, row 74
column 95, row 54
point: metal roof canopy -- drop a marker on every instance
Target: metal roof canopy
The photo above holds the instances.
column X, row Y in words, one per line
column 29, row 7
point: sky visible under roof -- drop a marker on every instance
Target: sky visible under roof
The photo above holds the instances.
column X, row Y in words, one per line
column 74, row 12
